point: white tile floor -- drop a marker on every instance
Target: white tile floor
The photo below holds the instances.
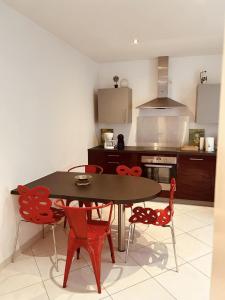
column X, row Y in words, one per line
column 148, row 274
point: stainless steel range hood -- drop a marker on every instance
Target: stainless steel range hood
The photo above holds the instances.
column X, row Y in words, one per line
column 162, row 101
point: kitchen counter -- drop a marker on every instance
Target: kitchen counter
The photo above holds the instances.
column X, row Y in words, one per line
column 195, row 170
column 160, row 150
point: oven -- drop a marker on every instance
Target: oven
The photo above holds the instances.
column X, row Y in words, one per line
column 160, row 169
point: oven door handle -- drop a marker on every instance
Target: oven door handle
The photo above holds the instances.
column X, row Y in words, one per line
column 158, row 166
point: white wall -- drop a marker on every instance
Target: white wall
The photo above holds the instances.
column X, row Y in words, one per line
column 142, row 76
column 46, row 112
column 218, row 267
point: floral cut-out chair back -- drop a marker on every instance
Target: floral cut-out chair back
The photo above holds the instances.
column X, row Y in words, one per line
column 158, row 217
column 35, row 205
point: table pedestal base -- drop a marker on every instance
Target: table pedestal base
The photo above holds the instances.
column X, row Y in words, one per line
column 121, row 228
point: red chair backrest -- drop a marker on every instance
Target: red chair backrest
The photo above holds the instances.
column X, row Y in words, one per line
column 79, row 217
column 158, row 217
column 123, row 170
column 135, row 171
column 35, row 205
column 93, row 169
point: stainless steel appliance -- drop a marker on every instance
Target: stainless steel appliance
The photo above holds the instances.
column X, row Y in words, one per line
column 162, row 101
column 160, row 169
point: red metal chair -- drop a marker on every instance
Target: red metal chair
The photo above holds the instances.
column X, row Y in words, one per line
column 91, row 169
column 36, row 207
column 87, row 233
column 123, row 170
column 157, row 217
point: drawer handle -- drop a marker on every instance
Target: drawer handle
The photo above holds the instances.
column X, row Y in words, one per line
column 113, row 155
column 113, row 162
column 196, row 158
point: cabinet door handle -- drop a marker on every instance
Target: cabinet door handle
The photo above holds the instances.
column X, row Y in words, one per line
column 196, row 158
column 113, row 155
column 113, row 162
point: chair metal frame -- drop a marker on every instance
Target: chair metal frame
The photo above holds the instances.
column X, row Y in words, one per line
column 152, row 218
column 53, row 236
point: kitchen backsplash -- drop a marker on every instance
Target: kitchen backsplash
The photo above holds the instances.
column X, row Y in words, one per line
column 165, row 131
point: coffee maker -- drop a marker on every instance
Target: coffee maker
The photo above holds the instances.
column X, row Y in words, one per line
column 109, row 143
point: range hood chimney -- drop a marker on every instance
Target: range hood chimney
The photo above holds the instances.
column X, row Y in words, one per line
column 162, row 101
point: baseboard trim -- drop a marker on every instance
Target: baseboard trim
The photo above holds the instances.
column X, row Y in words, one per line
column 186, row 202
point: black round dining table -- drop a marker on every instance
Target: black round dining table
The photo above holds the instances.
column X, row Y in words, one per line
column 103, row 188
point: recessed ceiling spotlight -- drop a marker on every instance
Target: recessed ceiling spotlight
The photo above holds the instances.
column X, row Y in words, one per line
column 135, row 41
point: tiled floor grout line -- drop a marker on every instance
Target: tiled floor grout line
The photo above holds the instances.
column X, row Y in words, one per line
column 200, row 257
column 196, row 258
column 189, row 230
column 190, row 262
column 195, row 218
column 45, row 289
column 189, row 233
column 40, row 273
column 130, row 286
column 197, row 228
column 179, row 234
column 164, row 288
column 198, row 270
column 19, row 289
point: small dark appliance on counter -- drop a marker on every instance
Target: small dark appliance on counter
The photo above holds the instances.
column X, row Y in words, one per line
column 120, row 143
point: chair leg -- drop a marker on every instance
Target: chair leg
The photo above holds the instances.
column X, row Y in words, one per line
column 109, row 236
column 98, row 211
column 128, row 241
column 65, row 221
column 114, row 213
column 95, row 254
column 78, row 253
column 55, row 250
column 133, row 231
column 69, row 259
column 16, row 239
column 174, row 245
column 65, row 218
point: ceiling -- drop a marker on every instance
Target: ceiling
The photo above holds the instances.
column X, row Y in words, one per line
column 105, row 29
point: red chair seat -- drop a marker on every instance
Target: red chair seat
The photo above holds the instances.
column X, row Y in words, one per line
column 95, row 230
column 158, row 217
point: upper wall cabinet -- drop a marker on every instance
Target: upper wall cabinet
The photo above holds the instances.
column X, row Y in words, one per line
column 115, row 105
column 207, row 106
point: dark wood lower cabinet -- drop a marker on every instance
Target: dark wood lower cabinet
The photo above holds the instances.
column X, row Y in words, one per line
column 109, row 160
column 196, row 177
column 195, row 172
